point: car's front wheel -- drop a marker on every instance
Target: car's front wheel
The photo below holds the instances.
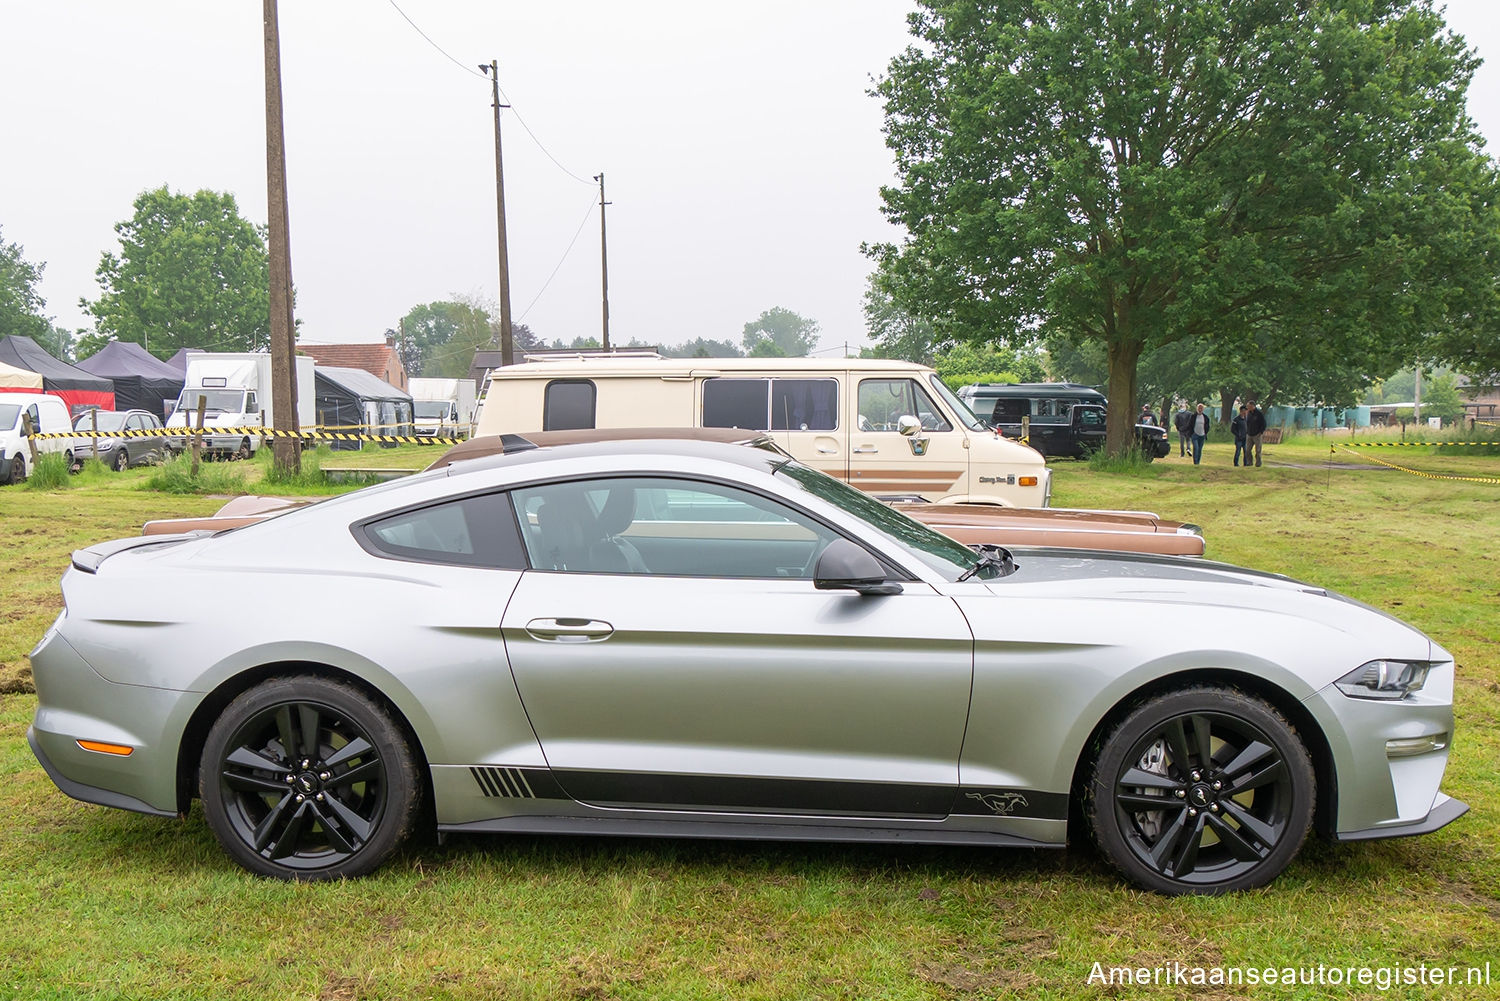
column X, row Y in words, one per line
column 1202, row 790
column 122, row 459
column 306, row 778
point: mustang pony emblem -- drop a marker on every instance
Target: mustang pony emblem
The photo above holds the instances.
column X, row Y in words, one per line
column 1001, row 802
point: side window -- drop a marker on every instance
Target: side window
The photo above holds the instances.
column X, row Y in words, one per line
column 883, row 402
column 134, row 423
column 36, row 418
column 735, row 403
column 804, row 404
column 472, row 531
column 665, row 527
column 1091, row 418
column 568, row 405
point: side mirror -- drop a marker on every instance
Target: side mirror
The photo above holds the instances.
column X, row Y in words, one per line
column 846, row 565
column 908, row 425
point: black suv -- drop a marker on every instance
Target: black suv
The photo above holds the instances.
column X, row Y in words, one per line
column 1064, row 418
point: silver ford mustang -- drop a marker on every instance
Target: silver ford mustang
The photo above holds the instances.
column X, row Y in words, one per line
column 699, row 640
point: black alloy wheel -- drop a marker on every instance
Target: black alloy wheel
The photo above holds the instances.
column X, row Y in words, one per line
column 305, row 778
column 1205, row 790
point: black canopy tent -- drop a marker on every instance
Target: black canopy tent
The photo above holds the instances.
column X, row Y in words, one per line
column 355, row 401
column 80, row 390
column 142, row 381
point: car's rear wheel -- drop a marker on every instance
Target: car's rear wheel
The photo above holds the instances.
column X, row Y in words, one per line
column 1203, row 790
column 305, row 778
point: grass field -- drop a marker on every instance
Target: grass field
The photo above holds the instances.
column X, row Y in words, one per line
column 96, row 903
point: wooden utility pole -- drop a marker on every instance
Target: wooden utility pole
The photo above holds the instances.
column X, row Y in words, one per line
column 603, row 257
column 286, row 448
column 507, row 341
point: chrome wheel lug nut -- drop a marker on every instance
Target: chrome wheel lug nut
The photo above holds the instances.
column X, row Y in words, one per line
column 1197, row 776
column 1212, row 806
column 1218, row 785
column 1191, row 811
column 300, row 797
column 325, row 776
column 290, row 779
column 1181, row 794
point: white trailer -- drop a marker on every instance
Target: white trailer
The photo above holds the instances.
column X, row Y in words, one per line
column 444, row 407
column 237, row 390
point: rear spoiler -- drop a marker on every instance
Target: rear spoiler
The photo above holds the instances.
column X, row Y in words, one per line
column 88, row 560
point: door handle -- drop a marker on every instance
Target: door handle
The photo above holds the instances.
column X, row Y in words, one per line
column 866, row 450
column 569, row 630
column 827, row 450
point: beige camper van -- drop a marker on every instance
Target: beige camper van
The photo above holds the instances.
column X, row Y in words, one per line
column 889, row 427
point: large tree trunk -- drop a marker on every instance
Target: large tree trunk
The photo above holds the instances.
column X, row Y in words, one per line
column 1227, row 396
column 1120, row 416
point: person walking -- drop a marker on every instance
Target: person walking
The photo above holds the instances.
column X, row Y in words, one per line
column 1199, row 426
column 1183, row 422
column 1237, row 427
column 1255, row 429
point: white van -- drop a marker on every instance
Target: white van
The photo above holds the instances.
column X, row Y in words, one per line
column 49, row 415
column 889, row 427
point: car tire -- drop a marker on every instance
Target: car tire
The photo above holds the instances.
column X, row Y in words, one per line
column 16, row 471
column 1230, row 819
column 304, row 778
column 121, row 460
column 244, row 450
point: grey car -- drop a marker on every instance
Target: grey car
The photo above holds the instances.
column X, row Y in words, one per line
column 692, row 639
column 126, row 438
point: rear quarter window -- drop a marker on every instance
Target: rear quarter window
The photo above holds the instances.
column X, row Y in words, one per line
column 471, row 531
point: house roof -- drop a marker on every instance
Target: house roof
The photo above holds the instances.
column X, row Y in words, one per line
column 373, row 358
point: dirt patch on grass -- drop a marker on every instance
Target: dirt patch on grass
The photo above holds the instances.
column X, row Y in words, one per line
column 15, row 678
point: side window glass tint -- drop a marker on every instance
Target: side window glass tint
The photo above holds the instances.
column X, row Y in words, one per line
column 473, row 531
column 804, row 404
column 735, row 403
column 665, row 527
column 568, row 405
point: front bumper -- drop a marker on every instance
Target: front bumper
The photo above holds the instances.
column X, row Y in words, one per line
column 1384, row 790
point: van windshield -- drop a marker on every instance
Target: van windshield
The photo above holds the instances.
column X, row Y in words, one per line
column 9, row 414
column 432, row 409
column 965, row 415
column 221, row 400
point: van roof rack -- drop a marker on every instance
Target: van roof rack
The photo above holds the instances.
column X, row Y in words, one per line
column 590, row 354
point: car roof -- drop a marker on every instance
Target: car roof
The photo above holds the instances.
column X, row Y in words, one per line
column 655, row 451
column 485, row 446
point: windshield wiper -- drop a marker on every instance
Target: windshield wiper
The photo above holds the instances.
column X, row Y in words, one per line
column 993, row 556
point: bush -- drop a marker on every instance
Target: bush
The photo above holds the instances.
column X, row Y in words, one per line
column 311, row 474
column 51, row 472
column 175, row 476
column 1132, row 463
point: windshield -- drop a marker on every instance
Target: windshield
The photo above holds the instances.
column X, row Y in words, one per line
column 933, row 549
column 222, row 400
column 433, row 408
column 109, row 420
column 9, row 414
column 965, row 415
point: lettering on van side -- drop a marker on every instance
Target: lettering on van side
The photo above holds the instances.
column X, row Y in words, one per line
column 1010, row 480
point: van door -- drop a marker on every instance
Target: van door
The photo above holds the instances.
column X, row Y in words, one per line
column 800, row 412
column 932, row 463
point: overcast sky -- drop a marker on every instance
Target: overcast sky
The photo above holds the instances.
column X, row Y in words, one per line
column 742, row 155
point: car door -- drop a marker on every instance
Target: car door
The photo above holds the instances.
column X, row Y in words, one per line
column 930, row 463
column 672, row 653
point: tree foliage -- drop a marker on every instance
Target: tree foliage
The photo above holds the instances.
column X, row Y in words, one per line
column 1136, row 173
column 191, row 273
column 21, row 304
column 780, row 333
column 703, row 347
column 438, row 339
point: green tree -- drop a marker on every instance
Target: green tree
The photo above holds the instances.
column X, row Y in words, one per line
column 780, row 333
column 963, row 364
column 21, row 305
column 702, row 347
column 191, row 273
column 1135, row 173
column 896, row 332
column 438, row 339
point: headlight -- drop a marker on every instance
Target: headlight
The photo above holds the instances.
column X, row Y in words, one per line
column 1384, row 679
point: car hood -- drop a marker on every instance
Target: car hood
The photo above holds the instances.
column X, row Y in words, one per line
column 1185, row 581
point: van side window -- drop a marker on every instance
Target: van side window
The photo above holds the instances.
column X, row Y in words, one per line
column 883, row 402
column 735, row 403
column 804, row 404
column 568, row 405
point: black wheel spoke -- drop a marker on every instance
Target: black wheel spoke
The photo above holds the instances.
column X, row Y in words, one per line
column 1269, row 773
column 309, row 718
column 1138, row 802
column 252, row 783
column 330, row 828
column 291, row 834
column 1253, row 753
column 1204, row 741
column 1176, row 737
column 1231, row 838
column 359, row 773
column 356, row 748
column 253, row 760
column 286, row 733
column 271, row 823
column 1263, row 832
column 1169, row 843
column 1139, row 778
column 356, row 824
column 1187, row 855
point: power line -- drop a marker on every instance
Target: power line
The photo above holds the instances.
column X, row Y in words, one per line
column 468, row 69
column 586, row 216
